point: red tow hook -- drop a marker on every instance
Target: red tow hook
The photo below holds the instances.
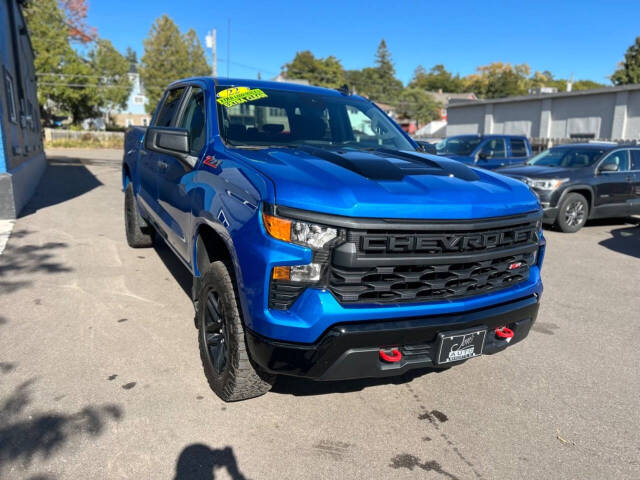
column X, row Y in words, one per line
column 505, row 333
column 395, row 356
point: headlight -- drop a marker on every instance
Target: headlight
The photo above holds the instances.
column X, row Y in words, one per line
column 545, row 184
column 302, row 233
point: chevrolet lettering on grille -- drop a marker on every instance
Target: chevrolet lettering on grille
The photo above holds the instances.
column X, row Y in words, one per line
column 416, row 243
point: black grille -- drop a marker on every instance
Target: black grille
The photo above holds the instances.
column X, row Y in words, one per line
column 416, row 283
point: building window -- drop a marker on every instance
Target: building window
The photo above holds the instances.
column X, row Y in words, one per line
column 11, row 97
column 138, row 100
column 145, row 121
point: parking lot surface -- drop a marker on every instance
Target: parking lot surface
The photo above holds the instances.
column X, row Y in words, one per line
column 100, row 375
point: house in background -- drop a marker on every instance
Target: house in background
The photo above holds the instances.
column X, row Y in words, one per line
column 22, row 160
column 135, row 113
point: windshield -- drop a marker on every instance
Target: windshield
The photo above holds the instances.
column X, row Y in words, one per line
column 463, row 145
column 265, row 117
column 567, row 157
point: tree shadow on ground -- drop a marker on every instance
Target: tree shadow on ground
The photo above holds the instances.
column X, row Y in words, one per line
column 305, row 387
column 30, row 258
column 625, row 240
column 22, row 437
column 63, row 179
column 199, row 462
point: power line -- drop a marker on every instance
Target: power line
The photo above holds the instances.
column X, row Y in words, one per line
column 80, row 85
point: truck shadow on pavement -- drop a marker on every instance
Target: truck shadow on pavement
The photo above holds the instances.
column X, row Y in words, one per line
column 23, row 437
column 303, row 387
column 63, row 179
column 625, row 240
column 199, row 462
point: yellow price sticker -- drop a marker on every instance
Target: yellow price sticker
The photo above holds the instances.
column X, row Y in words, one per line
column 237, row 95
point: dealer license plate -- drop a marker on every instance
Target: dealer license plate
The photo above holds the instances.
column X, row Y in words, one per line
column 460, row 346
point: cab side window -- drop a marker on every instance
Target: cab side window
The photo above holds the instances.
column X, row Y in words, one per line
column 494, row 148
column 635, row 160
column 518, row 148
column 619, row 159
column 193, row 119
column 169, row 107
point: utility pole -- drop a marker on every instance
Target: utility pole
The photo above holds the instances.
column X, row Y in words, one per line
column 210, row 41
column 228, row 42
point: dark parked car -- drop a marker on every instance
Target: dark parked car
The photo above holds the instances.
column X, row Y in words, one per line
column 486, row 151
column 582, row 181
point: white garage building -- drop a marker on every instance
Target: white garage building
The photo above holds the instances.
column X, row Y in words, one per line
column 611, row 113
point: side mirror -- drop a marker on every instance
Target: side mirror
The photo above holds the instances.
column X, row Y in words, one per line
column 484, row 156
column 172, row 141
column 608, row 167
column 426, row 147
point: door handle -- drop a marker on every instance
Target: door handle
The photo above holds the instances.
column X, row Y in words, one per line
column 162, row 165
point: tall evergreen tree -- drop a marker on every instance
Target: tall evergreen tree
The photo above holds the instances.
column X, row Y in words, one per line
column 198, row 65
column 112, row 71
column 169, row 56
column 629, row 71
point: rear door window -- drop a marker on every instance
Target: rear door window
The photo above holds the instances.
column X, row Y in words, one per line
column 518, row 148
column 495, row 148
column 193, row 119
column 167, row 111
column 635, row 160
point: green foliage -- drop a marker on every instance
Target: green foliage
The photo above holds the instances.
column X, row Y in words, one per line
column 382, row 84
column 586, row 85
column 629, row 71
column 438, row 78
column 324, row 72
column 112, row 69
column 169, row 56
column 64, row 79
column 416, row 104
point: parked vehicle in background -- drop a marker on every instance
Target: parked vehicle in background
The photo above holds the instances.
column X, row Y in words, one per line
column 427, row 147
column 486, row 151
column 578, row 182
column 323, row 243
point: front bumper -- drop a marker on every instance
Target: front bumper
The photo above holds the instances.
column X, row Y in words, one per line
column 351, row 350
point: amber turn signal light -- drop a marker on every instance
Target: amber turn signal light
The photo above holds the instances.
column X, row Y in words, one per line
column 277, row 227
column 281, row 273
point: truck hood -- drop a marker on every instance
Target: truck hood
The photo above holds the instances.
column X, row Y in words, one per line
column 532, row 171
column 387, row 184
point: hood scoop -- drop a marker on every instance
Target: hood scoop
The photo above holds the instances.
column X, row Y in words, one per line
column 391, row 165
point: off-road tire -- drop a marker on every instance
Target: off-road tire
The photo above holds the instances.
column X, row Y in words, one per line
column 139, row 233
column 240, row 378
column 572, row 213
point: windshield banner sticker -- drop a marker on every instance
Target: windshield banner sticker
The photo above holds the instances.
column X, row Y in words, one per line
column 237, row 95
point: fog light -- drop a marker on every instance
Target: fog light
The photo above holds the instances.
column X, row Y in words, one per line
column 306, row 273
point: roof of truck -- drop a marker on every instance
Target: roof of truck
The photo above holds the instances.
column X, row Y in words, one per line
column 240, row 82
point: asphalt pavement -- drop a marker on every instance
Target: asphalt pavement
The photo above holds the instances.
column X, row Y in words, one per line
column 100, row 375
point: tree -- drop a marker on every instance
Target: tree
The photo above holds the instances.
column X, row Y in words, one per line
column 416, row 104
column 385, row 87
column 324, row 72
column 131, row 56
column 75, row 12
column 438, row 78
column 111, row 69
column 629, row 71
column 198, row 65
column 168, row 55
column 498, row 80
column 65, row 80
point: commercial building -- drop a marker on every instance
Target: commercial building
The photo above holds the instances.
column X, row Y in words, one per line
column 22, row 160
column 611, row 113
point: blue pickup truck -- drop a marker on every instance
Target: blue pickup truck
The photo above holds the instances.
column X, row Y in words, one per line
column 486, row 151
column 322, row 241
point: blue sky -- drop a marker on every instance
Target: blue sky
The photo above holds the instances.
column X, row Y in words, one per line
column 584, row 38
